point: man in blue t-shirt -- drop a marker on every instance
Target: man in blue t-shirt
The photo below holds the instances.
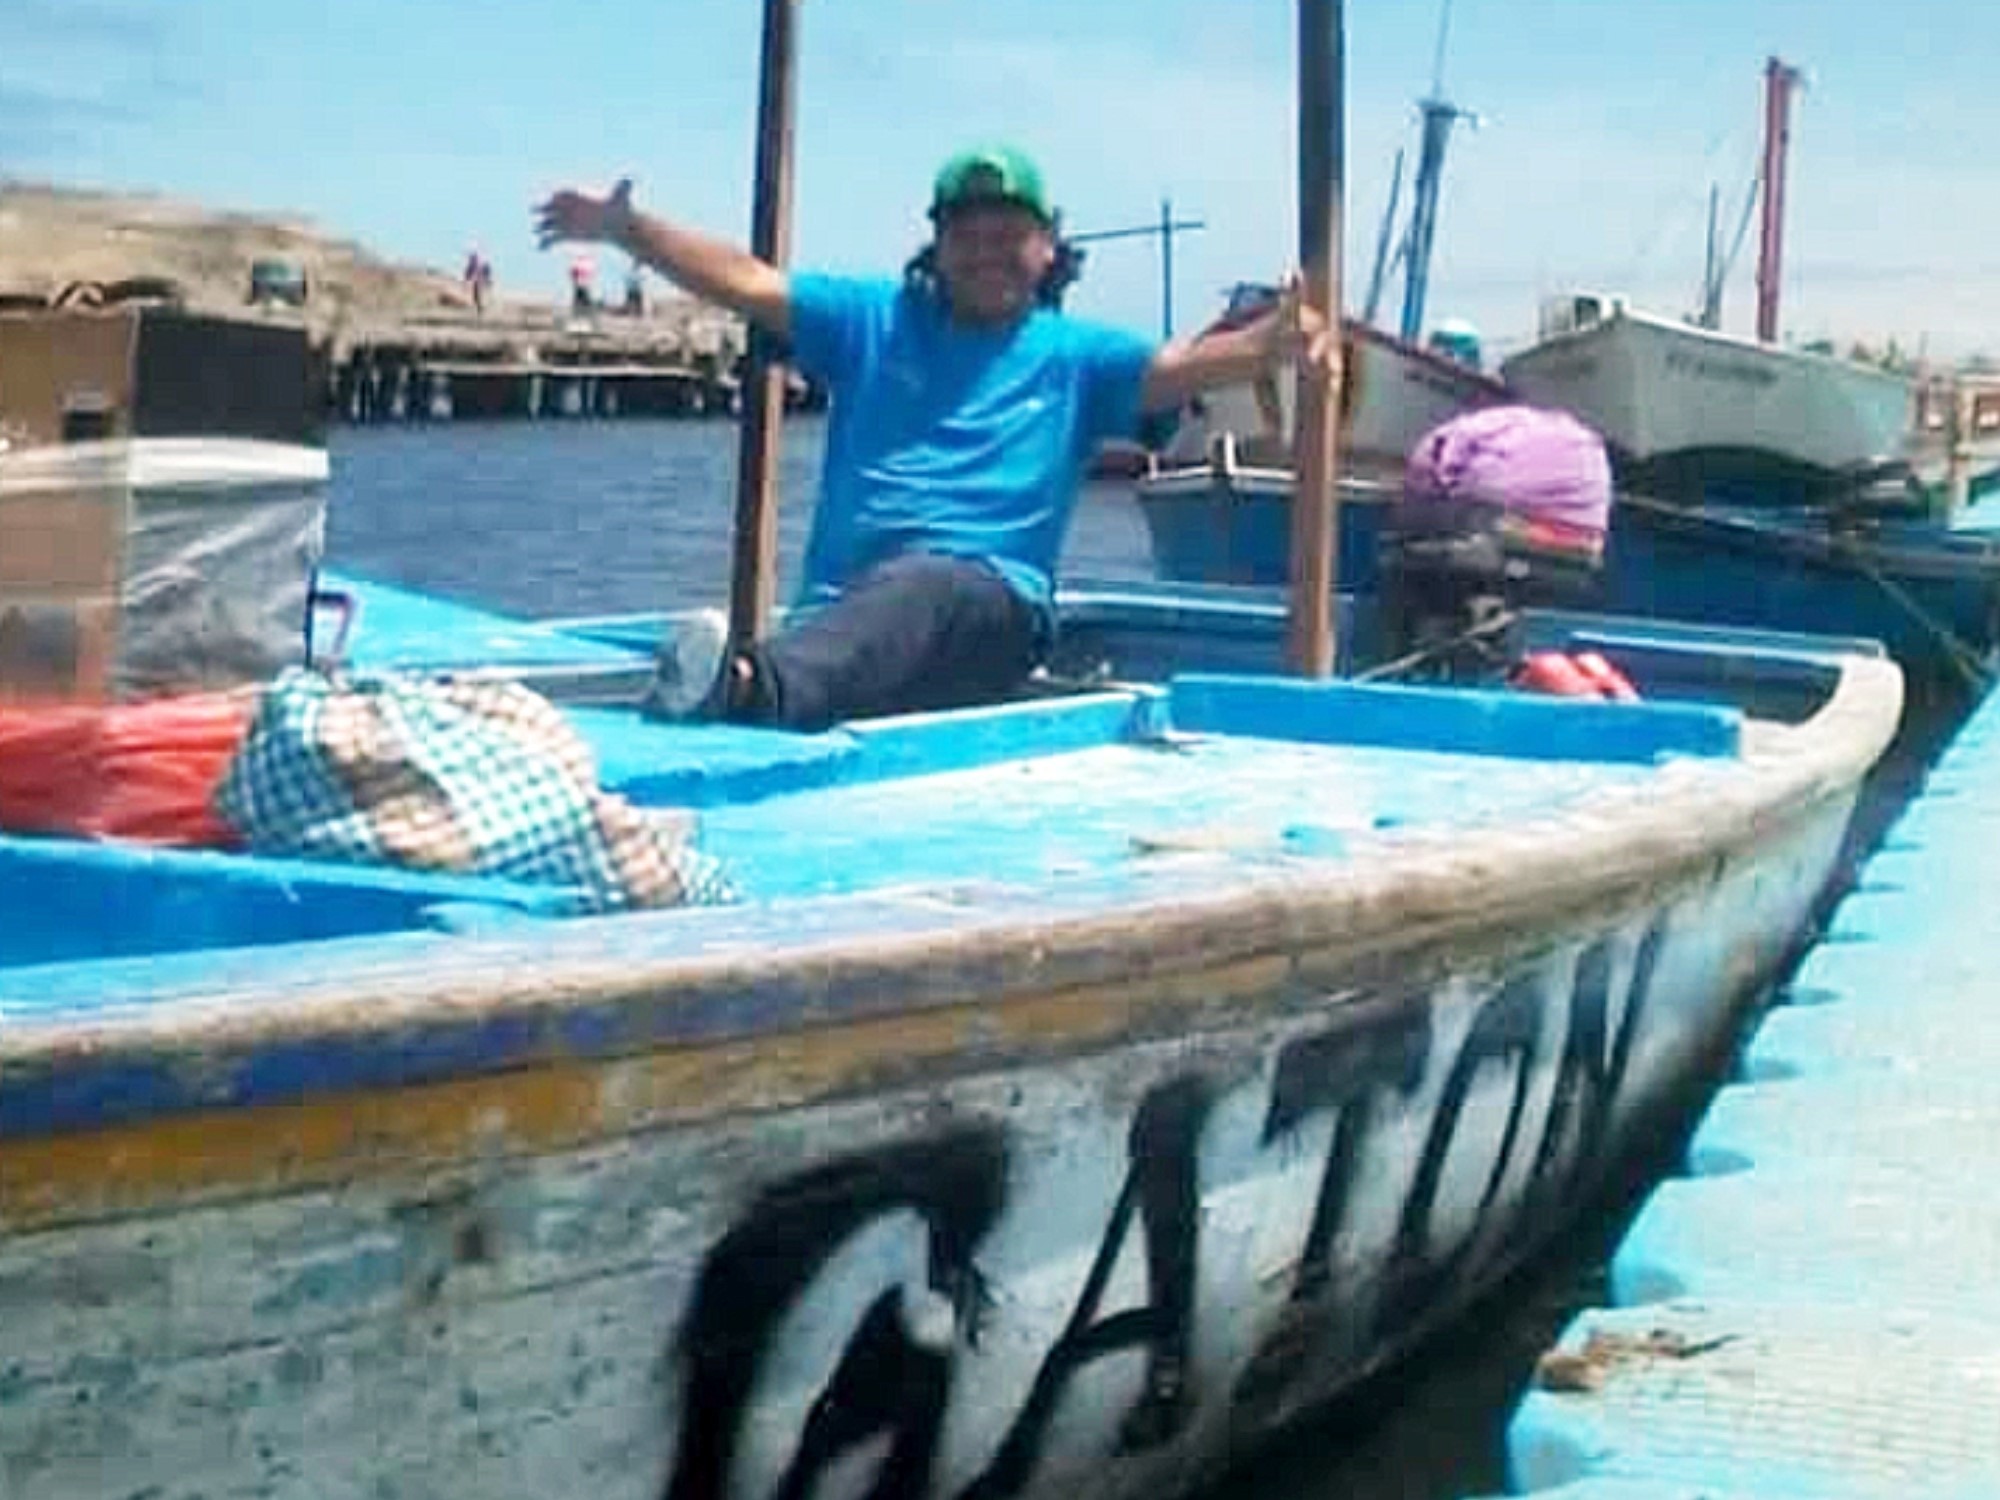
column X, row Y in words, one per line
column 965, row 408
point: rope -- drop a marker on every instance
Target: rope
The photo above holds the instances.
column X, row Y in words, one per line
column 1424, row 655
column 1967, row 662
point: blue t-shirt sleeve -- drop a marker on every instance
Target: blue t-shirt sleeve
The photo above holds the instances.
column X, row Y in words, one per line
column 1114, row 369
column 831, row 318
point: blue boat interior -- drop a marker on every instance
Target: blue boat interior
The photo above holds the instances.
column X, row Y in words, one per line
column 1091, row 784
column 69, row 900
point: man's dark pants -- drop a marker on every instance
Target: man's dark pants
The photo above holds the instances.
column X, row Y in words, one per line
column 916, row 633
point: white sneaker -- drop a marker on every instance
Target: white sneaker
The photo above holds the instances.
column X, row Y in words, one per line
column 687, row 666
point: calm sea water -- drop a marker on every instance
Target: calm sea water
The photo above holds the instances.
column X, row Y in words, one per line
column 572, row 518
column 586, row 518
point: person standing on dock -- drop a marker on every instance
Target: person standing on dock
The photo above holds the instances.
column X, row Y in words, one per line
column 966, row 406
column 478, row 279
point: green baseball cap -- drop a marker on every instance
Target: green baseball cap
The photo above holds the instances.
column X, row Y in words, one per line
column 990, row 174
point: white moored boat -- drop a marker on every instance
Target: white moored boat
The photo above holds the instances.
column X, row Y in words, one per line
column 1673, row 398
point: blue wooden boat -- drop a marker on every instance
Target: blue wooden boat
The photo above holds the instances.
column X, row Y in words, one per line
column 1929, row 592
column 1082, row 1086
column 1226, row 522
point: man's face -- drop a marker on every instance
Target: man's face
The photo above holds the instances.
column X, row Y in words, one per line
column 992, row 257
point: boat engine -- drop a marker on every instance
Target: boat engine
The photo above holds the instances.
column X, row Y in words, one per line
column 1501, row 510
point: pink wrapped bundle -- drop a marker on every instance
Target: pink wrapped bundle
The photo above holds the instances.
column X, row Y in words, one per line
column 1544, row 472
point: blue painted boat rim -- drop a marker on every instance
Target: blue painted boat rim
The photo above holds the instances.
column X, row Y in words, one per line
column 1245, row 482
column 1454, row 720
column 272, row 870
column 426, row 632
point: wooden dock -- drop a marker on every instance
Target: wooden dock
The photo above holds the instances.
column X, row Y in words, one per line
column 677, row 360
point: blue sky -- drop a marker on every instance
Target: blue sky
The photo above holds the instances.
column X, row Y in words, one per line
column 420, row 128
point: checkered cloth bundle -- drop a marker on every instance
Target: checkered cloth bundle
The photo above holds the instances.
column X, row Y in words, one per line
column 476, row 777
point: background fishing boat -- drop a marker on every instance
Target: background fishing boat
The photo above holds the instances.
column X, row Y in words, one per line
column 1686, row 407
column 1397, row 393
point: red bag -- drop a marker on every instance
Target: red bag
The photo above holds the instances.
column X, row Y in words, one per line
column 141, row 771
column 1585, row 675
column 1552, row 672
column 1611, row 682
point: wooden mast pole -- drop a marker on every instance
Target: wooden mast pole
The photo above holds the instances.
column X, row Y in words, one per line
column 753, row 574
column 1779, row 82
column 1315, row 556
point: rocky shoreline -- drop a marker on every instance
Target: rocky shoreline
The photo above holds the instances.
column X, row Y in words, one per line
column 82, row 247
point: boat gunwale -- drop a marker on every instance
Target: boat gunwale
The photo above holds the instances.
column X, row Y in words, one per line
column 1250, row 482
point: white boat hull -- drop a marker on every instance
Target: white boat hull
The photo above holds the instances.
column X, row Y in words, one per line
column 1663, row 392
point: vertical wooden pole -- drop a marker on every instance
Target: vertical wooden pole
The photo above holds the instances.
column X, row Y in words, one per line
column 753, row 575
column 1778, row 83
column 1711, row 293
column 1315, row 556
column 1958, row 432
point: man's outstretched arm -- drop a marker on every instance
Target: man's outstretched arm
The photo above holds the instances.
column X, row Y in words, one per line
column 712, row 269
